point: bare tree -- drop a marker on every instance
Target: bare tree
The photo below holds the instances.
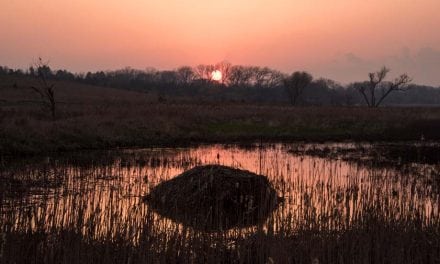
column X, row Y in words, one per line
column 44, row 88
column 185, row 75
column 376, row 89
column 240, row 76
column 273, row 79
column 295, row 84
column 225, row 68
column 204, row 72
column 260, row 75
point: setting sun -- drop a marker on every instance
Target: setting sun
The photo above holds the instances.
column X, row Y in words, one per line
column 216, row 75
column 222, row 131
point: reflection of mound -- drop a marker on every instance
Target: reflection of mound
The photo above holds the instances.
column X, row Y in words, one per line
column 215, row 198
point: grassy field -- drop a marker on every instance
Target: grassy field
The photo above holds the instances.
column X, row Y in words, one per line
column 90, row 117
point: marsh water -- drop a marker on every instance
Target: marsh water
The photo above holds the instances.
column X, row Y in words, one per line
column 99, row 195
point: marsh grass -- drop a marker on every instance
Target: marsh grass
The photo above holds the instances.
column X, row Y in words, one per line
column 90, row 117
column 334, row 211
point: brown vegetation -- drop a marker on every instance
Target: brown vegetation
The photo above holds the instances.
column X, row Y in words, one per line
column 96, row 214
column 215, row 198
column 90, row 117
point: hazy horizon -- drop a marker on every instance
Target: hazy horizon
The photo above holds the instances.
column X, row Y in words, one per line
column 342, row 40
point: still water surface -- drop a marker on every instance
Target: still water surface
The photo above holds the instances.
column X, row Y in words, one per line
column 100, row 194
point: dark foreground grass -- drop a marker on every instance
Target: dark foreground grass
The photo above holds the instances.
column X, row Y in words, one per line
column 373, row 241
column 99, row 118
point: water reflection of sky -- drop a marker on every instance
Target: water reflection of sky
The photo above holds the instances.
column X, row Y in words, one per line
column 104, row 199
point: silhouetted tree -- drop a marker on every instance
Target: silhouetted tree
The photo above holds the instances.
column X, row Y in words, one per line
column 250, row 83
column 168, row 78
column 225, row 68
column 44, row 88
column 259, row 75
column 3, row 70
column 295, row 85
column 62, row 75
column 185, row 75
column 240, row 76
column 376, row 89
column 322, row 92
column 204, row 72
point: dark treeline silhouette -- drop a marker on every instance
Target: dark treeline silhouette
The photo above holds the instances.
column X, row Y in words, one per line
column 241, row 84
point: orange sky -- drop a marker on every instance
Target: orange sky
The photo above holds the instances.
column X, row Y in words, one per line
column 338, row 39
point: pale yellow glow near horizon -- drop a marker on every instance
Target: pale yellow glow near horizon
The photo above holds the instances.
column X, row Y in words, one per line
column 324, row 37
column 217, row 75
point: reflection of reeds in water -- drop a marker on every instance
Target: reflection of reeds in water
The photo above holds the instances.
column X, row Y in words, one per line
column 334, row 211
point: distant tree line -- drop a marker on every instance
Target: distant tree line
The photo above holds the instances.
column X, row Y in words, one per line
column 248, row 84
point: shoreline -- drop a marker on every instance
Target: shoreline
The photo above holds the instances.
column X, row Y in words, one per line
column 250, row 143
